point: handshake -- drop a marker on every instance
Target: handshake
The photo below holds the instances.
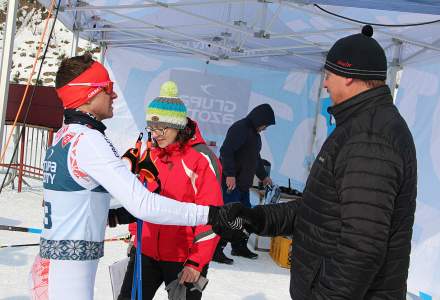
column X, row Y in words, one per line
column 235, row 216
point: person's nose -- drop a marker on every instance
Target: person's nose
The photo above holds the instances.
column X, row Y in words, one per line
column 154, row 134
column 114, row 96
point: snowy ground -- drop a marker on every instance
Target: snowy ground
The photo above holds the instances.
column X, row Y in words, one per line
column 250, row 280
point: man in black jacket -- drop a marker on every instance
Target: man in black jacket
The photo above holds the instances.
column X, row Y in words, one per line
column 241, row 161
column 352, row 230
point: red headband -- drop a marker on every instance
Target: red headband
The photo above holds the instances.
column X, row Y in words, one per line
column 75, row 96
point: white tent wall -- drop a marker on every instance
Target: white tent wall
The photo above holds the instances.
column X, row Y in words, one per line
column 418, row 101
column 217, row 94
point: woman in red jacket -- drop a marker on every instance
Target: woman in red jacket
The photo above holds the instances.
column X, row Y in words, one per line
column 188, row 171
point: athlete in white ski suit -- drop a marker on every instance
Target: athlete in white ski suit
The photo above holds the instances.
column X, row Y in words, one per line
column 82, row 170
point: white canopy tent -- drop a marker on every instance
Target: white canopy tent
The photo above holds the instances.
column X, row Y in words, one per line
column 240, row 53
column 287, row 34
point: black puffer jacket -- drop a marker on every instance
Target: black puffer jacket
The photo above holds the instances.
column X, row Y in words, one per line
column 352, row 230
column 240, row 152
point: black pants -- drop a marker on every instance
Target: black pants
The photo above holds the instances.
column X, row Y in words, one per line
column 153, row 274
column 237, row 238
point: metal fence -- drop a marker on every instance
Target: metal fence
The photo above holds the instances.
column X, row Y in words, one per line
column 29, row 156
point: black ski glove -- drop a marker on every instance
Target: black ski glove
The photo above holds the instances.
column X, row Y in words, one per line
column 236, row 216
column 145, row 168
column 131, row 156
column 119, row 216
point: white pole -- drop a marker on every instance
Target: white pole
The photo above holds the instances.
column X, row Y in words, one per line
column 395, row 66
column 103, row 49
column 74, row 43
column 8, row 47
column 318, row 110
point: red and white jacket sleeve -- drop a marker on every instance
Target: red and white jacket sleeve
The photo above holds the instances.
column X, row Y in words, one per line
column 208, row 192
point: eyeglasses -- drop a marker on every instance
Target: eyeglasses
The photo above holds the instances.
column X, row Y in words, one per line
column 107, row 86
column 157, row 131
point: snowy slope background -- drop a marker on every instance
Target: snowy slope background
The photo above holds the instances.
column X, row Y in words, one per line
column 30, row 25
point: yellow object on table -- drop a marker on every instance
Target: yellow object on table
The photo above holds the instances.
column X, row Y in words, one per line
column 280, row 250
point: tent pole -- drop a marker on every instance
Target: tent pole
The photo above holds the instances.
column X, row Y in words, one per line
column 75, row 38
column 103, row 49
column 75, row 32
column 395, row 66
column 154, row 38
column 8, row 47
column 315, row 124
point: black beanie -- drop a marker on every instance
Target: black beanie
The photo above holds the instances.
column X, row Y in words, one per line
column 358, row 56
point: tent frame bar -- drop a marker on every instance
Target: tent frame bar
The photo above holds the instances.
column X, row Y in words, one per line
column 178, row 45
column 146, row 5
column 208, row 43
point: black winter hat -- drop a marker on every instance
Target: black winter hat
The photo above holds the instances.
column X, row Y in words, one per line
column 358, row 56
column 262, row 115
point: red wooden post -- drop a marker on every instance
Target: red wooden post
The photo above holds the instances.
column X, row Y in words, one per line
column 50, row 137
column 20, row 169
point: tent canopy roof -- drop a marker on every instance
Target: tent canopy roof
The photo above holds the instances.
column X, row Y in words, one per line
column 278, row 34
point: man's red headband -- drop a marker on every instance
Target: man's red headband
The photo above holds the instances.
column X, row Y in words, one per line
column 73, row 95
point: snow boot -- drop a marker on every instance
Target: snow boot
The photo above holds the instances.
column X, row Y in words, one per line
column 241, row 249
column 219, row 256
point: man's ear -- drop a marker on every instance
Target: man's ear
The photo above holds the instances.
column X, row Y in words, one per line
column 348, row 81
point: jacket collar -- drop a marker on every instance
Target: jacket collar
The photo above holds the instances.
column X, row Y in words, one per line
column 74, row 116
column 360, row 102
column 177, row 149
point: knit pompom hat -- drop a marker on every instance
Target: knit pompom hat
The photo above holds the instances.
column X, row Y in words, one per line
column 358, row 56
column 167, row 110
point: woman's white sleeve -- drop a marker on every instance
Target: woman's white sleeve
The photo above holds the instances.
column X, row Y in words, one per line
column 98, row 158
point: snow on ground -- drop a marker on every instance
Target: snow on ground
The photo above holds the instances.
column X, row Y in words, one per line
column 261, row 279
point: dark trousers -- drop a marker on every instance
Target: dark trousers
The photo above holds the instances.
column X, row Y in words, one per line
column 153, row 274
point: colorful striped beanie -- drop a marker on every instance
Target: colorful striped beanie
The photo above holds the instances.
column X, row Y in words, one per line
column 167, row 110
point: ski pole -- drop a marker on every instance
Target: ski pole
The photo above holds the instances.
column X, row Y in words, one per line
column 18, row 245
column 136, row 289
column 114, row 239
column 21, row 229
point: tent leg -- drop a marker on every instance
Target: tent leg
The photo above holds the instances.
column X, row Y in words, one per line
column 8, row 46
column 395, row 66
column 315, row 125
column 103, row 48
column 75, row 39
